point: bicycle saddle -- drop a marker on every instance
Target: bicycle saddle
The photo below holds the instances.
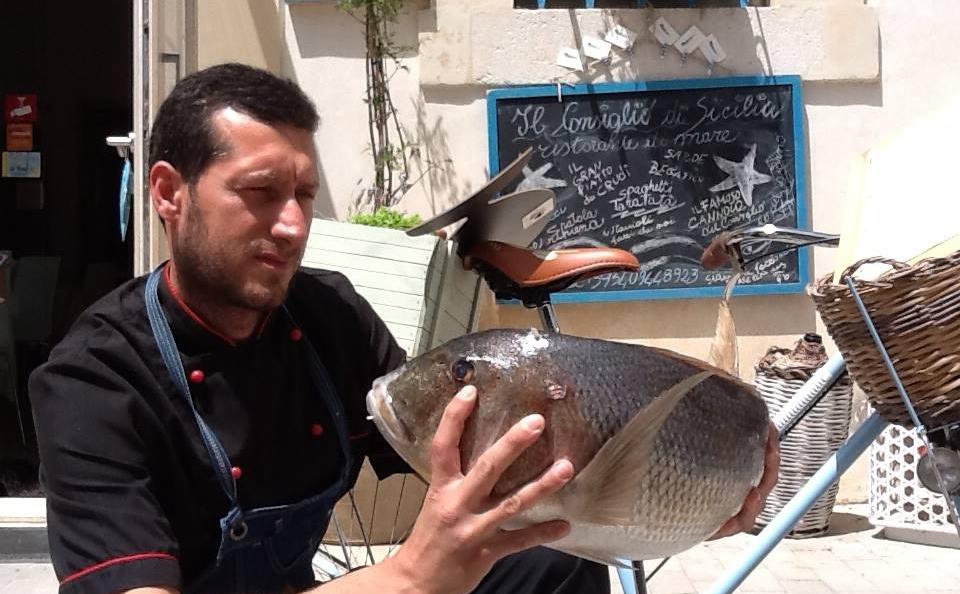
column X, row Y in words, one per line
column 531, row 276
column 495, row 225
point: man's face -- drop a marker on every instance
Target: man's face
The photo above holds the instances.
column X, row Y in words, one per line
column 244, row 227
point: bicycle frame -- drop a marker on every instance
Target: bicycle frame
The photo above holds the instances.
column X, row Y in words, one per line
column 730, row 245
column 804, row 399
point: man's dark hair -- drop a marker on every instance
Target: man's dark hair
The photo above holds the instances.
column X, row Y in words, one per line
column 182, row 132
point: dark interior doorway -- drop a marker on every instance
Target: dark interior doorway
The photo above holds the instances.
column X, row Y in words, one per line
column 59, row 234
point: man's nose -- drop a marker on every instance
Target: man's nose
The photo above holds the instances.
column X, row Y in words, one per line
column 292, row 221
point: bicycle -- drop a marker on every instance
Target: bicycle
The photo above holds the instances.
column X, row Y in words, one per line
column 487, row 243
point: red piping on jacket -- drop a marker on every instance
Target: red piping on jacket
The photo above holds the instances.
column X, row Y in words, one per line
column 186, row 308
column 109, row 562
column 196, row 317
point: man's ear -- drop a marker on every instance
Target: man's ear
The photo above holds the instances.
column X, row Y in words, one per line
column 168, row 190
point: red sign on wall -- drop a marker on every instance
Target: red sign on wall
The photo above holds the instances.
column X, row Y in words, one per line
column 20, row 108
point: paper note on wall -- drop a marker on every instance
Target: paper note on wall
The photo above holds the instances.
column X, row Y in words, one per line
column 904, row 194
column 17, row 164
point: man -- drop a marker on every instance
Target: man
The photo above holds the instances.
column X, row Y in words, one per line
column 197, row 426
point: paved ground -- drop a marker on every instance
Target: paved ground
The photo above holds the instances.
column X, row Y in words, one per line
column 852, row 558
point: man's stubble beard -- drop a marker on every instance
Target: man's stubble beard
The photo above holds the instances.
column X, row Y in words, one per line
column 201, row 271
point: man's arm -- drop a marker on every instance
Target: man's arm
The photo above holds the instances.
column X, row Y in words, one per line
column 456, row 539
column 106, row 528
column 457, row 536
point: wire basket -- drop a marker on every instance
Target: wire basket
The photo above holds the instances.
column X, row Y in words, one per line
column 812, row 441
column 916, row 311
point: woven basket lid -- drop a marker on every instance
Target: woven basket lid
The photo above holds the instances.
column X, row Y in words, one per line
column 801, row 361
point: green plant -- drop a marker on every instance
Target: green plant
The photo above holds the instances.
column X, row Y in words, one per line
column 386, row 217
column 389, row 146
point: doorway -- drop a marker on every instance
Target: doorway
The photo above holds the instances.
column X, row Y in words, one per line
column 60, row 240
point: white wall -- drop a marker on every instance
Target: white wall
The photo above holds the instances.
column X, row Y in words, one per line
column 848, row 109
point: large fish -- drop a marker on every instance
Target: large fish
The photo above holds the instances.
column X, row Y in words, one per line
column 665, row 447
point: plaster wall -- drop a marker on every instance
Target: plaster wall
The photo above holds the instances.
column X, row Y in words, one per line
column 247, row 31
column 869, row 70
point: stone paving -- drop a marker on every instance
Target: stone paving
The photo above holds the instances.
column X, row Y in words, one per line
column 852, row 558
column 27, row 578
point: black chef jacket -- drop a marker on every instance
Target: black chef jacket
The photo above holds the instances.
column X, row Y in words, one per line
column 132, row 497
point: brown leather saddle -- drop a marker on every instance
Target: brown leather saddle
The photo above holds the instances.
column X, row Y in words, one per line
column 494, row 229
column 531, row 276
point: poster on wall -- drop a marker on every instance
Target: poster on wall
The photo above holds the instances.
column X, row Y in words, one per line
column 659, row 169
column 20, row 164
column 20, row 108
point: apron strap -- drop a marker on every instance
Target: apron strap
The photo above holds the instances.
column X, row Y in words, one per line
column 171, row 358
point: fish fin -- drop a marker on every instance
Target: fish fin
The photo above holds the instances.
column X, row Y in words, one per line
column 605, row 491
column 595, row 556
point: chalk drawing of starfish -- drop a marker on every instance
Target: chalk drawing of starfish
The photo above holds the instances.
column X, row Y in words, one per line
column 538, row 179
column 741, row 175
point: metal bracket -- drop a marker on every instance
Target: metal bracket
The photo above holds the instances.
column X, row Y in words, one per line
column 123, row 144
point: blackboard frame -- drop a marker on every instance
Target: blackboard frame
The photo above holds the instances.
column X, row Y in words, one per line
column 494, row 96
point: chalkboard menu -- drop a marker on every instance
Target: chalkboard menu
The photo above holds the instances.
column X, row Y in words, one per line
column 659, row 169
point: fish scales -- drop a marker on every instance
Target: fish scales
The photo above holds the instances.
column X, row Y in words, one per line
column 662, row 467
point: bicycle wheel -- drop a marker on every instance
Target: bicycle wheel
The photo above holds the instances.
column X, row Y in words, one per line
column 369, row 523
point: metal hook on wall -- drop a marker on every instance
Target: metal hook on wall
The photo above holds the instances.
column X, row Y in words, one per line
column 123, row 144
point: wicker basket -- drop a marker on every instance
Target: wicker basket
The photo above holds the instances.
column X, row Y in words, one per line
column 916, row 311
column 812, row 441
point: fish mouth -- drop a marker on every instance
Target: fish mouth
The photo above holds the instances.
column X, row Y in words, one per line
column 380, row 406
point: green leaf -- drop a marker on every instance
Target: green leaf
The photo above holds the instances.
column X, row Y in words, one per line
column 386, row 217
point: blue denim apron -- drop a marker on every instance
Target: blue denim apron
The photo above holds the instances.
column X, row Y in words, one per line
column 267, row 549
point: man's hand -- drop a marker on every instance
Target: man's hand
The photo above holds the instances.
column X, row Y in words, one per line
column 756, row 498
column 457, row 537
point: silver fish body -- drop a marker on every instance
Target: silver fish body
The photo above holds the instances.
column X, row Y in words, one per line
column 665, row 447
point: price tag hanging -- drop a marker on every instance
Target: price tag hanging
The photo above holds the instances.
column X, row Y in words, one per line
column 621, row 37
column 596, row 48
column 689, row 41
column 664, row 33
column 569, row 57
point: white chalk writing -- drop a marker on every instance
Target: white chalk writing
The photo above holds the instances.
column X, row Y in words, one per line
column 597, row 180
column 630, row 115
column 585, row 220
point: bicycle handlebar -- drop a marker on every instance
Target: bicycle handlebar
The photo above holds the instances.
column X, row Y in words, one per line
column 715, row 255
column 727, row 246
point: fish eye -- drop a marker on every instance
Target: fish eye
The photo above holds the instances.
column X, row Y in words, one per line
column 463, row 371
